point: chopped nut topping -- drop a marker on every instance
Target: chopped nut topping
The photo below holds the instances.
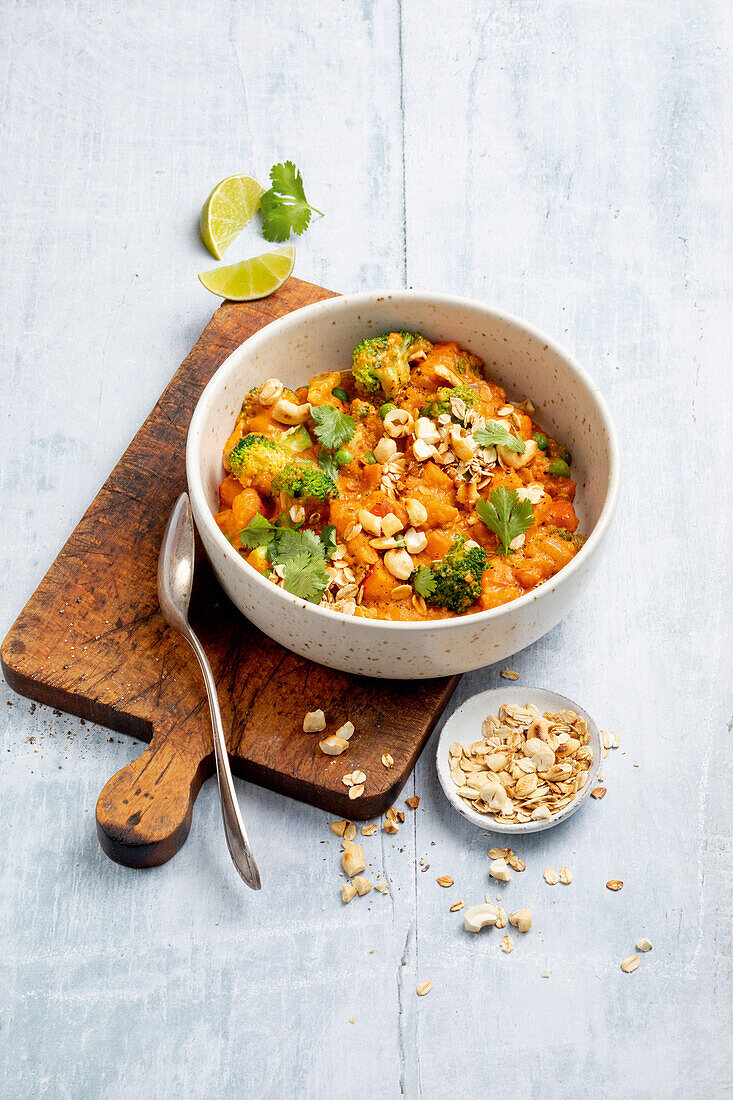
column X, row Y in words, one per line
column 363, row 885
column 546, row 973
column 356, row 792
column 630, row 964
column 345, row 732
column 352, row 859
column 614, row 884
column 444, row 880
column 526, row 767
column 424, row 988
column 338, row 827
column 314, row 721
column 347, row 892
column 480, row 916
column 387, row 760
column 566, row 876
column 507, row 944
column 550, row 876
column 382, row 887
column 643, row 944
column 392, row 820
column 598, row 792
column 368, row 830
column 522, row 919
column 456, row 906
column 413, row 802
column 509, row 674
column 499, row 869
column 333, row 745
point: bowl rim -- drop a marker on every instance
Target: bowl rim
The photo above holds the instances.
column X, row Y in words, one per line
column 364, row 298
column 512, row 693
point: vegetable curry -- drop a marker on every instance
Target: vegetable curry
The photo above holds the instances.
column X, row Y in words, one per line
column 407, row 487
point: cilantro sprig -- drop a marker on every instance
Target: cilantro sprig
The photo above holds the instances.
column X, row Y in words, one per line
column 334, row 429
column 285, row 209
column 328, row 464
column 506, row 515
column 424, row 582
column 495, row 434
column 299, row 554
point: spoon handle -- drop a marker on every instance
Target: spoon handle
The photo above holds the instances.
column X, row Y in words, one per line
column 234, row 829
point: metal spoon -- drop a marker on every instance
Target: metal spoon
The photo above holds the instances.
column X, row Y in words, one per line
column 175, row 580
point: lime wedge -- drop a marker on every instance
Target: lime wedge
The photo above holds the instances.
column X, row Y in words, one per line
column 250, row 279
column 230, row 206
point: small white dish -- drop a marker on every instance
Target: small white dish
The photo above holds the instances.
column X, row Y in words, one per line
column 464, row 726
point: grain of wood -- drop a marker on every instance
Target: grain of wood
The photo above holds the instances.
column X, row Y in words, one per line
column 563, row 161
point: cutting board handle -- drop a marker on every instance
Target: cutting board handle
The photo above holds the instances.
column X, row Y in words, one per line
column 144, row 811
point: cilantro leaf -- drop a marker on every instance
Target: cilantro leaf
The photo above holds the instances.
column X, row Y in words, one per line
column 424, row 581
column 288, row 543
column 305, row 575
column 258, row 532
column 495, row 434
column 284, row 207
column 328, row 464
column 328, row 539
column 334, row 428
column 506, row 515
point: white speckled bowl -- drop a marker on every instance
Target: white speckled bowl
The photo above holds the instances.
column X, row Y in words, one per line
column 321, row 337
column 464, row 727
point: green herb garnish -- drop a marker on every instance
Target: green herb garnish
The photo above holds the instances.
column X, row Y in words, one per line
column 284, row 207
column 495, row 434
column 506, row 515
column 334, row 429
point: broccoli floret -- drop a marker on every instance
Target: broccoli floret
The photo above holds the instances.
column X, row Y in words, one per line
column 441, row 402
column 255, row 460
column 382, row 363
column 458, row 577
column 305, row 480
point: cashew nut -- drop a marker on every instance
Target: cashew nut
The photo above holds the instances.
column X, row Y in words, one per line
column 416, row 511
column 522, row 919
column 463, row 444
column 480, row 916
column 385, row 449
column 370, row 522
column 333, row 746
column 399, row 564
column 314, row 721
column 518, row 462
column 425, row 429
column 415, row 541
column 423, row 451
column 347, row 892
column 391, row 525
column 287, row 412
column 269, row 391
column 398, row 422
column 499, row 868
column 352, row 859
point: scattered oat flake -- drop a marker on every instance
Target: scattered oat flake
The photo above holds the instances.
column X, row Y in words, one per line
column 500, row 853
column 516, row 864
column 546, row 973
column 566, row 876
column 643, row 944
column 387, row 760
column 444, row 880
column 456, row 906
column 509, row 674
column 550, row 876
column 352, row 1020
column 413, row 802
column 507, row 944
column 598, row 792
column 356, row 792
column 424, row 988
column 630, row 964
column 614, row 884
column 382, row 887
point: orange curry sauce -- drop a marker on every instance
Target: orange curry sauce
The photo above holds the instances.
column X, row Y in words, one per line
column 447, row 479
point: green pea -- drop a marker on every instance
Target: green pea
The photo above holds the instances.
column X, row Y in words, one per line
column 558, row 468
column 370, row 459
column 343, row 457
column 565, row 455
column 386, row 407
column 341, row 394
column 541, row 440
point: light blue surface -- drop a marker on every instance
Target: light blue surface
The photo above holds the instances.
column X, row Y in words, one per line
column 567, row 161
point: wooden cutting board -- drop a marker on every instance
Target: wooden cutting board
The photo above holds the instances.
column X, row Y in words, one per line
column 92, row 641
